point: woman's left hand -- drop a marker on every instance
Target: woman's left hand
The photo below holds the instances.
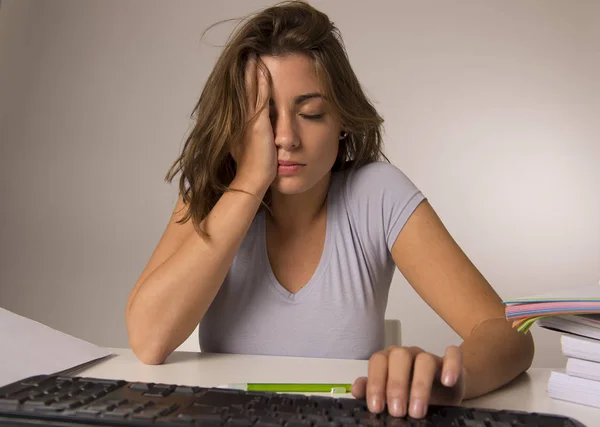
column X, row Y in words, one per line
column 408, row 379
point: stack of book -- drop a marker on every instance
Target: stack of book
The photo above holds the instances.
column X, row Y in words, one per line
column 575, row 315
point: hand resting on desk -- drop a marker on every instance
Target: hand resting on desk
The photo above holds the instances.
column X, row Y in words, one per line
column 435, row 380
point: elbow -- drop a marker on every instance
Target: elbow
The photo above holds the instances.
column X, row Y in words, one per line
column 521, row 353
column 145, row 345
column 527, row 351
column 148, row 353
column 150, row 357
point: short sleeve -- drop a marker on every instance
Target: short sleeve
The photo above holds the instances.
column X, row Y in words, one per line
column 381, row 199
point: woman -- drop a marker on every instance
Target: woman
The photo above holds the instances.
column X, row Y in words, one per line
column 290, row 224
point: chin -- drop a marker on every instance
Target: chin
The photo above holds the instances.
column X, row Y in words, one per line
column 302, row 182
column 290, row 186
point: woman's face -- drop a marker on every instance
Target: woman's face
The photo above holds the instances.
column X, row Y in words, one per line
column 305, row 125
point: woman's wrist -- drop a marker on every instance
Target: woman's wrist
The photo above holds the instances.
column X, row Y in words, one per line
column 256, row 187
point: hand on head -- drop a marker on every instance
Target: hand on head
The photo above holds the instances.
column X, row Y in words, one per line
column 408, row 379
column 256, row 154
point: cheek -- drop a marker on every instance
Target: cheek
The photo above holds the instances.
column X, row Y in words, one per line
column 331, row 146
column 327, row 151
column 323, row 142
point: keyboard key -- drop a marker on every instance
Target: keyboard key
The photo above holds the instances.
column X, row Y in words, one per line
column 87, row 411
column 316, row 418
column 345, row 420
column 267, row 424
column 152, row 412
column 198, row 410
column 287, row 416
column 114, row 414
column 108, row 382
column 15, row 399
column 140, row 386
column 157, row 393
column 372, row 422
column 186, row 390
column 65, row 383
column 269, row 419
column 11, row 391
column 352, row 404
column 297, row 423
column 50, row 390
column 191, row 416
column 85, row 400
column 66, row 404
column 164, row 386
column 37, row 380
column 47, row 409
column 335, row 413
column 240, row 422
column 224, row 398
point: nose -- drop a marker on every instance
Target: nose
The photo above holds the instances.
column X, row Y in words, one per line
column 284, row 131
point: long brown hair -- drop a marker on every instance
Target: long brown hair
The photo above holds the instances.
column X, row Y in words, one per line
column 205, row 163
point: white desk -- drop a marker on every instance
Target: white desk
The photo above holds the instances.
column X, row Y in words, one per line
column 527, row 393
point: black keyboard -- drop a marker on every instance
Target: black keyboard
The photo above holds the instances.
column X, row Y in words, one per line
column 79, row 401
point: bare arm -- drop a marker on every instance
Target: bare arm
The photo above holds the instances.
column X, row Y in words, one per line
column 184, row 275
column 186, row 271
column 493, row 353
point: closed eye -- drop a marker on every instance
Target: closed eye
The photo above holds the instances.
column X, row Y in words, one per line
column 312, row 116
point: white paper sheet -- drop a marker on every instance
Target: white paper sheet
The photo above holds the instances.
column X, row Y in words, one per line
column 30, row 348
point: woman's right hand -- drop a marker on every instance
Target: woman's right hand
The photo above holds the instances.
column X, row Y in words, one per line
column 256, row 154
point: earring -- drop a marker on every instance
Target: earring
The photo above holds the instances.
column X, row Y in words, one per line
column 343, row 135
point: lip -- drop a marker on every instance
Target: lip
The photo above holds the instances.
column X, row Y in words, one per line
column 289, row 163
column 288, row 168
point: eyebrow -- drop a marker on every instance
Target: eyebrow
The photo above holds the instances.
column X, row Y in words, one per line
column 302, row 98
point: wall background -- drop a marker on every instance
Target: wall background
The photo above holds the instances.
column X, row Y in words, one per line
column 491, row 108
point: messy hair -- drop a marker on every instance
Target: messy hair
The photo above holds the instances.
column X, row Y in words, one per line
column 220, row 116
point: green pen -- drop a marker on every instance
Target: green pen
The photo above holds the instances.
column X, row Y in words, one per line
column 292, row 387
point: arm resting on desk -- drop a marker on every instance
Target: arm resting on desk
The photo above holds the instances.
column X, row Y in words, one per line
column 184, row 274
column 493, row 355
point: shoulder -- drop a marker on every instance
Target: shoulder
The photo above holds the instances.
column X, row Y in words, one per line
column 380, row 198
column 378, row 179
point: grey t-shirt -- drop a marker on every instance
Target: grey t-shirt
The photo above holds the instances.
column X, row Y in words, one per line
column 340, row 312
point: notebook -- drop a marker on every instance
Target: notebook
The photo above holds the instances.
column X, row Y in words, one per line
column 584, row 325
column 526, row 311
column 583, row 369
column 580, row 348
column 565, row 387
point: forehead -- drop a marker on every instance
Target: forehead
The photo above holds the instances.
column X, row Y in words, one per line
column 292, row 75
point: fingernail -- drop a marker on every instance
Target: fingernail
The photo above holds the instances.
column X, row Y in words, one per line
column 448, row 379
column 397, row 408
column 417, row 409
column 376, row 403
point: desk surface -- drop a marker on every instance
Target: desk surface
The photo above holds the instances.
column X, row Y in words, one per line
column 526, row 393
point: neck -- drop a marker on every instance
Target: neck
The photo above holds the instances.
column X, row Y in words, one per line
column 296, row 212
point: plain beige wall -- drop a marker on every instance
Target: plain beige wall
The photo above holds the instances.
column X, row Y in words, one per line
column 492, row 108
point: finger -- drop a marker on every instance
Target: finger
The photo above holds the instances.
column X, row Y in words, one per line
column 263, row 88
column 376, row 381
column 451, row 366
column 359, row 388
column 400, row 364
column 424, row 372
column 250, row 81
